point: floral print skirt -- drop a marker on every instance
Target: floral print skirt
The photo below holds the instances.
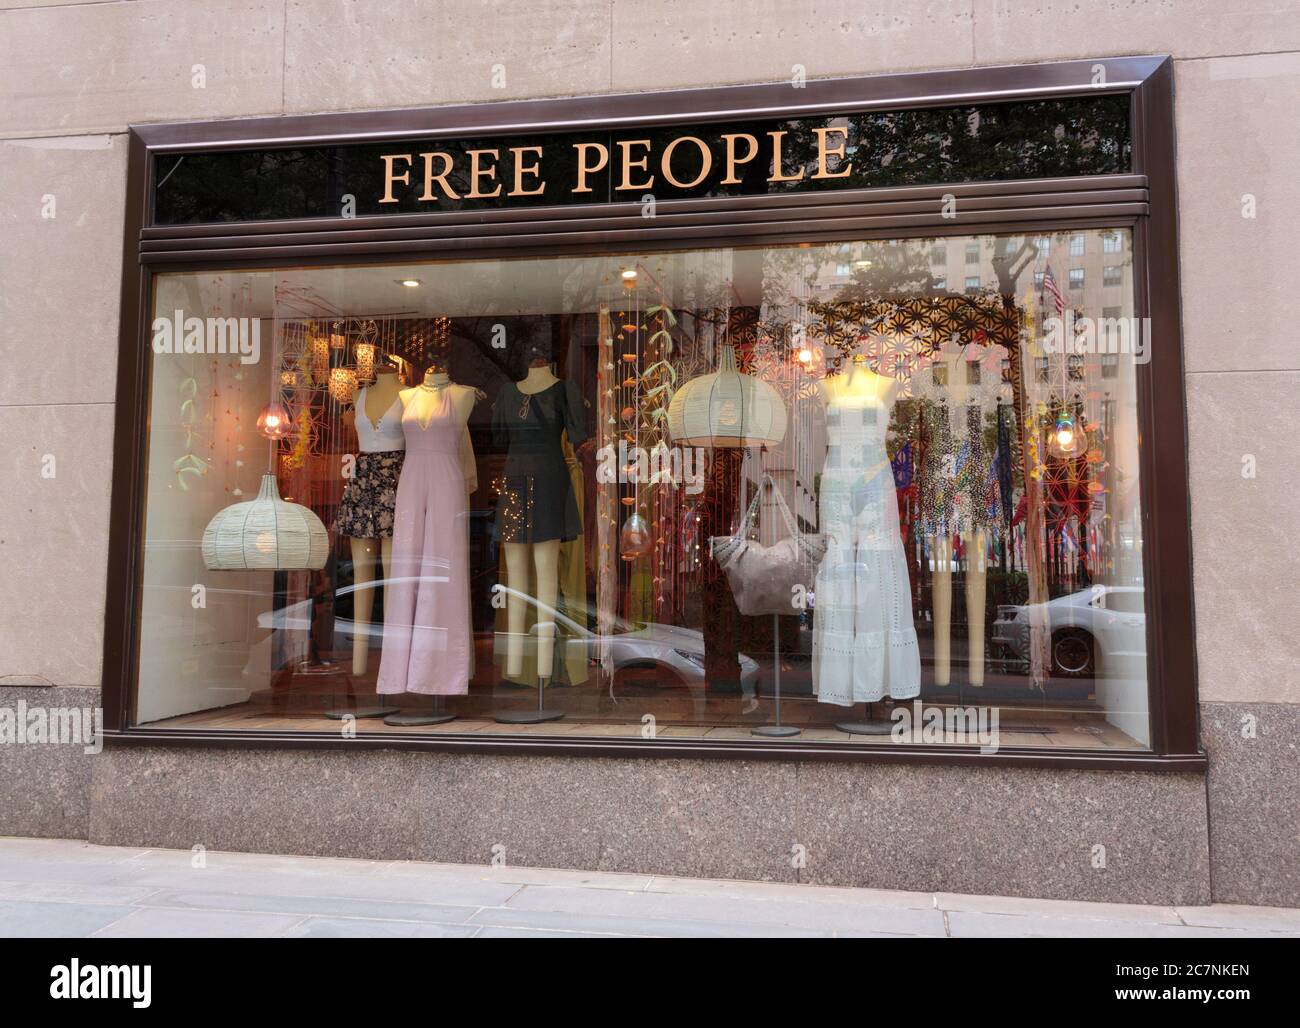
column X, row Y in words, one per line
column 366, row 511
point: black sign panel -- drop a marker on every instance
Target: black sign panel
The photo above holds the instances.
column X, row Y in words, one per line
column 972, row 143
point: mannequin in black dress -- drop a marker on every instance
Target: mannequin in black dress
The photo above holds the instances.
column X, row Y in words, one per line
column 537, row 510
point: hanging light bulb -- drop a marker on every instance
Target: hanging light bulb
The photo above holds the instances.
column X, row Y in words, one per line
column 274, row 421
column 1065, row 440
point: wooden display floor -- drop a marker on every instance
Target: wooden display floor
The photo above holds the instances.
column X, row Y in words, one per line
column 720, row 719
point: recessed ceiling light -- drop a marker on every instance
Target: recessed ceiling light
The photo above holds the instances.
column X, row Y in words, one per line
column 629, row 274
column 410, row 283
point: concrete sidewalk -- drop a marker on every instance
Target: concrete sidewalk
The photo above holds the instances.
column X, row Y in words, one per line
column 53, row 887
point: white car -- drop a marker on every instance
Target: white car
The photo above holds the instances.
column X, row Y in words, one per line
column 1106, row 622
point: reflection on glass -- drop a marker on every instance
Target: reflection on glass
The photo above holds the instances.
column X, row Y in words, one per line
column 802, row 490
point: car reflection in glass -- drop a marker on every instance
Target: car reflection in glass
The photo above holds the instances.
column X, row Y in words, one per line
column 672, row 656
column 1102, row 627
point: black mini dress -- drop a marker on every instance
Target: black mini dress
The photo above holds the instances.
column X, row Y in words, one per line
column 536, row 502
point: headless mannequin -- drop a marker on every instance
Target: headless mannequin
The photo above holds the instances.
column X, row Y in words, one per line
column 860, row 380
column 543, row 558
column 366, row 553
column 424, row 400
column 976, row 543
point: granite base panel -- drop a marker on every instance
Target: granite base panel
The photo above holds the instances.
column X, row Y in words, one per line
column 1020, row 832
column 1254, row 801
column 46, row 785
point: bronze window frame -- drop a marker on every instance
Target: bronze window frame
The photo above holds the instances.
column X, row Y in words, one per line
column 1143, row 200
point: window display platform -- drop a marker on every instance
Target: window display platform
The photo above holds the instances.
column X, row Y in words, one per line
column 1044, row 728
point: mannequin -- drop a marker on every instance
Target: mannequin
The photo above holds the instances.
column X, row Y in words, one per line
column 963, row 381
column 864, row 638
column 435, row 397
column 375, row 403
column 366, row 513
column 536, row 512
column 544, row 559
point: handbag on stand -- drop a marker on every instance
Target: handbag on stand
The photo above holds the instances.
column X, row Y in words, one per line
column 765, row 579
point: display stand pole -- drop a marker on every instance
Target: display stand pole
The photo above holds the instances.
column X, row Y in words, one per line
column 531, row 717
column 868, row 725
column 435, row 715
column 776, row 730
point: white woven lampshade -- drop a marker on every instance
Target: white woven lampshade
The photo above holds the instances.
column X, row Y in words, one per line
column 265, row 534
column 726, row 408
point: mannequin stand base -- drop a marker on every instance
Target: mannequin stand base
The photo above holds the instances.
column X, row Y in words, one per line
column 527, row 717
column 775, row 731
column 876, row 727
column 428, row 718
column 360, row 713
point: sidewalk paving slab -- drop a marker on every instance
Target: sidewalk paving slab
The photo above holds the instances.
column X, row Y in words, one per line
column 70, row 888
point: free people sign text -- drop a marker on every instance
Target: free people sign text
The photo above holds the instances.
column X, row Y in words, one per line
column 683, row 162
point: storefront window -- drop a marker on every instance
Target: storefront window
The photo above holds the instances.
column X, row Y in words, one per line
column 691, row 494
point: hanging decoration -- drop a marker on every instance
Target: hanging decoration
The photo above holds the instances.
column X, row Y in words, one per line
column 267, row 533
column 365, row 361
column 1067, row 437
column 189, row 463
column 606, row 491
column 343, row 385
column 320, row 358
column 634, row 539
column 727, row 409
column 274, row 421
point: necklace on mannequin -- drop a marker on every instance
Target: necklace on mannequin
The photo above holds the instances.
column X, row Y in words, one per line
column 435, row 381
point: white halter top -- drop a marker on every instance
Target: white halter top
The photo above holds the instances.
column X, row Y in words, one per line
column 383, row 436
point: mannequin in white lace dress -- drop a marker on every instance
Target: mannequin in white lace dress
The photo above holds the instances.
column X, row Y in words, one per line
column 864, row 640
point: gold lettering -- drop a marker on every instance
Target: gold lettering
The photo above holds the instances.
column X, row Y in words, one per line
column 733, row 160
column 430, row 178
column 583, row 169
column 706, row 162
column 628, row 164
column 476, row 172
column 391, row 179
column 824, row 151
column 522, row 169
column 778, row 164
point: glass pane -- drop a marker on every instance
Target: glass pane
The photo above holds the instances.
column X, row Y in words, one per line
column 652, row 495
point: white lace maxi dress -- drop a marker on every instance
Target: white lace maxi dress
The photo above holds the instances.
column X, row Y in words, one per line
column 864, row 640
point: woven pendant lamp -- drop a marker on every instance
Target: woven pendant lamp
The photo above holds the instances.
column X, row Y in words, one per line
column 726, row 409
column 265, row 534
